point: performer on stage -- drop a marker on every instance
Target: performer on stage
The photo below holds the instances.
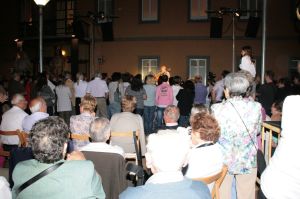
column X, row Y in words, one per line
column 163, row 71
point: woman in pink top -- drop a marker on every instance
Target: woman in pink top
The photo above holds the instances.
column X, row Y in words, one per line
column 163, row 98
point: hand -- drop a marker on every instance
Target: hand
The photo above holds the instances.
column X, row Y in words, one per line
column 75, row 155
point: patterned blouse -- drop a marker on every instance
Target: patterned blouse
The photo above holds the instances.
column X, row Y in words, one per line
column 80, row 124
column 237, row 145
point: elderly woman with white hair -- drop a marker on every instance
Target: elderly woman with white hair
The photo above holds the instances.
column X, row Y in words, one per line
column 239, row 117
column 281, row 179
column 166, row 155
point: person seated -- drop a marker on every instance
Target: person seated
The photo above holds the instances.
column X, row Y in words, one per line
column 171, row 116
column 75, row 178
column 276, row 111
column 5, row 191
column 166, row 155
column 12, row 121
column 38, row 108
column 281, row 178
column 100, row 134
column 127, row 122
column 205, row 158
column 80, row 124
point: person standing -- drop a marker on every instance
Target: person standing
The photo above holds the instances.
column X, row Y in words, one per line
column 64, row 96
column 115, row 94
column 149, row 104
column 98, row 89
column 163, row 98
column 80, row 90
column 200, row 91
column 218, row 89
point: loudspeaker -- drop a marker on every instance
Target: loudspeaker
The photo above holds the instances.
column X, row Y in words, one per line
column 107, row 31
column 252, row 27
column 216, row 27
column 78, row 29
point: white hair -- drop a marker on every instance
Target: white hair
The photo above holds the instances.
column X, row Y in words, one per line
column 99, row 129
column 168, row 150
column 236, row 83
column 36, row 107
column 17, row 98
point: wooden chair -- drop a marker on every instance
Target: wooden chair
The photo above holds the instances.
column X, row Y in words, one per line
column 137, row 145
column 22, row 140
column 266, row 127
column 80, row 137
column 218, row 179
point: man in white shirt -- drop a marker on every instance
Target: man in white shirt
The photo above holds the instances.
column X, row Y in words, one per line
column 100, row 133
column 98, row 89
column 218, row 89
column 80, row 91
column 171, row 116
column 12, row 120
column 38, row 108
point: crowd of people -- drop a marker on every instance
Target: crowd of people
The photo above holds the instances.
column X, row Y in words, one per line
column 179, row 123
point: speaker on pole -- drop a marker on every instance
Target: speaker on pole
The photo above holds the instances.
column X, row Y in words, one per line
column 252, row 27
column 216, row 27
column 107, row 31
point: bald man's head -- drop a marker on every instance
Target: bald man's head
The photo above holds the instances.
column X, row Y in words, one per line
column 38, row 105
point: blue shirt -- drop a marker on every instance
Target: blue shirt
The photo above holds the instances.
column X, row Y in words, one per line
column 174, row 190
column 150, row 91
column 200, row 94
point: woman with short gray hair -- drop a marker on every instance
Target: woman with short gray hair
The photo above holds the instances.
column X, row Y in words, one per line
column 71, row 179
column 239, row 117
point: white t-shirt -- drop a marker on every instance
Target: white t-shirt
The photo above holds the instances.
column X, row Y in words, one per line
column 248, row 65
column 80, row 88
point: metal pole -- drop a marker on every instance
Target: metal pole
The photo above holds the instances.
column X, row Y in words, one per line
column 264, row 31
column 41, row 38
column 233, row 42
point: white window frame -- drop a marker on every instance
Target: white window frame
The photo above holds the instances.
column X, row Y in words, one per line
column 142, row 68
column 248, row 7
column 197, row 18
column 198, row 69
column 149, row 19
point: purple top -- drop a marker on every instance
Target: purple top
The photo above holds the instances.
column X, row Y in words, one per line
column 200, row 94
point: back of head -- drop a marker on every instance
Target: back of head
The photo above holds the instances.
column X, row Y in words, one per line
column 16, row 99
column 88, row 103
column 207, row 126
column 47, row 139
column 116, row 76
column 237, row 84
column 171, row 114
column 167, row 150
column 270, row 74
column 136, row 84
column 98, row 75
column 199, row 108
column 247, row 50
column 100, row 130
column 189, row 85
column 128, row 103
column 38, row 105
column 164, row 78
column 225, row 73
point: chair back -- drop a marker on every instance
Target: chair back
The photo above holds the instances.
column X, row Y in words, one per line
column 111, row 167
column 136, row 141
column 80, row 137
column 218, row 179
column 22, row 140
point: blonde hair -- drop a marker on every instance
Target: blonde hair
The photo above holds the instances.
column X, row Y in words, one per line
column 128, row 103
column 88, row 103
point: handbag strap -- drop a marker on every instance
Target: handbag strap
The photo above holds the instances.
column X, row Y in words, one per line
column 244, row 125
column 37, row 177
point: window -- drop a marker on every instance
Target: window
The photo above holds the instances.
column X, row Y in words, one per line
column 198, row 66
column 149, row 10
column 105, row 7
column 64, row 16
column 293, row 66
column 197, row 10
column 148, row 65
column 252, row 5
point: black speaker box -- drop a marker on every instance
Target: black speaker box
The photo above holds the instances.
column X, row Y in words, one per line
column 252, row 27
column 216, row 27
column 107, row 31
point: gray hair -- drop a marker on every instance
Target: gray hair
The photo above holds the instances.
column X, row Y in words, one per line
column 47, row 138
column 168, row 150
column 17, row 98
column 97, row 74
column 237, row 84
column 172, row 112
column 100, row 129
